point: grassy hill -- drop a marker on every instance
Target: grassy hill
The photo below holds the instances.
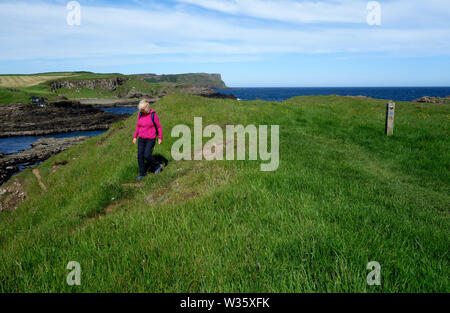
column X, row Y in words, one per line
column 344, row 194
column 19, row 88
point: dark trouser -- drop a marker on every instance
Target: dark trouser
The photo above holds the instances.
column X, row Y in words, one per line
column 145, row 159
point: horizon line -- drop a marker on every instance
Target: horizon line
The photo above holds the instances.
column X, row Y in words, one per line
column 422, row 86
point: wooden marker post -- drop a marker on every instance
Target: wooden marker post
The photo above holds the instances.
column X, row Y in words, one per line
column 389, row 127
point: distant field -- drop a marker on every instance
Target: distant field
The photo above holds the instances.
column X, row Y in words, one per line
column 15, row 94
column 28, row 80
column 18, row 88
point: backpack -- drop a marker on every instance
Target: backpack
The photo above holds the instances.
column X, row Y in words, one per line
column 153, row 120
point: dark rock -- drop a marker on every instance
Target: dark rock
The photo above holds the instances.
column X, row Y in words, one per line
column 205, row 92
column 41, row 150
column 11, row 196
column 108, row 84
column 64, row 162
column 20, row 119
column 108, row 103
column 427, row 99
column 134, row 94
column 219, row 95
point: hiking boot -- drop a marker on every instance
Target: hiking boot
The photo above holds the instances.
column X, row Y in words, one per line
column 159, row 169
column 139, row 178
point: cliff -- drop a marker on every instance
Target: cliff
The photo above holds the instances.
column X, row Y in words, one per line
column 194, row 79
column 108, row 84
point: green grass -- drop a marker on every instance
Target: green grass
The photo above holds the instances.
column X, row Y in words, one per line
column 23, row 94
column 343, row 195
column 20, row 87
column 89, row 75
column 49, row 74
column 138, row 84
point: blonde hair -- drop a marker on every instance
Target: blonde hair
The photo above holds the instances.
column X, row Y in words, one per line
column 143, row 104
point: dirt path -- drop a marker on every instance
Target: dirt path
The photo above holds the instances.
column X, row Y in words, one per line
column 38, row 176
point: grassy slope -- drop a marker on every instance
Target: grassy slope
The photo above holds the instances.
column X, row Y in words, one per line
column 138, row 84
column 344, row 195
column 23, row 94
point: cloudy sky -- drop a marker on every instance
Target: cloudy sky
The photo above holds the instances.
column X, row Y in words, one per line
column 250, row 42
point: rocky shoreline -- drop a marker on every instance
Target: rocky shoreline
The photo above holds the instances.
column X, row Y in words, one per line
column 62, row 116
column 108, row 103
column 108, row 84
column 40, row 150
column 54, row 115
column 20, row 119
column 427, row 99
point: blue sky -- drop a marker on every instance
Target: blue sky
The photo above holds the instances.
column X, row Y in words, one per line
column 250, row 42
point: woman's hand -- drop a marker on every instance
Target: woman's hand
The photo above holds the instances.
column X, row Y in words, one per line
column 134, row 140
column 159, row 141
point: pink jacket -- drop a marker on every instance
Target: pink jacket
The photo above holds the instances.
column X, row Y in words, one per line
column 145, row 128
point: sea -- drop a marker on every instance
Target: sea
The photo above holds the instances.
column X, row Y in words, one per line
column 16, row 144
column 20, row 143
column 388, row 93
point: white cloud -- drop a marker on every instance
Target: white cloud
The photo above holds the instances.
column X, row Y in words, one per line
column 343, row 11
column 394, row 12
column 39, row 30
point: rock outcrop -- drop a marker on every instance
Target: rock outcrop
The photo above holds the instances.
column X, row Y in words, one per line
column 20, row 119
column 218, row 95
column 205, row 92
column 108, row 84
column 40, row 150
column 195, row 79
column 427, row 99
column 109, row 103
column 11, row 197
column 137, row 95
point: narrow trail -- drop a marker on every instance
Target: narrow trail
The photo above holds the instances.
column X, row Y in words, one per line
column 38, row 176
column 133, row 184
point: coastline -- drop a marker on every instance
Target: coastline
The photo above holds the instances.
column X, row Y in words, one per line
column 79, row 114
column 20, row 119
column 40, row 150
column 86, row 114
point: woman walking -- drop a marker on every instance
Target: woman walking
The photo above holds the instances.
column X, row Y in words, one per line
column 148, row 128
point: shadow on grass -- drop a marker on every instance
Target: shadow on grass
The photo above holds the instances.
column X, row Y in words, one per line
column 160, row 159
